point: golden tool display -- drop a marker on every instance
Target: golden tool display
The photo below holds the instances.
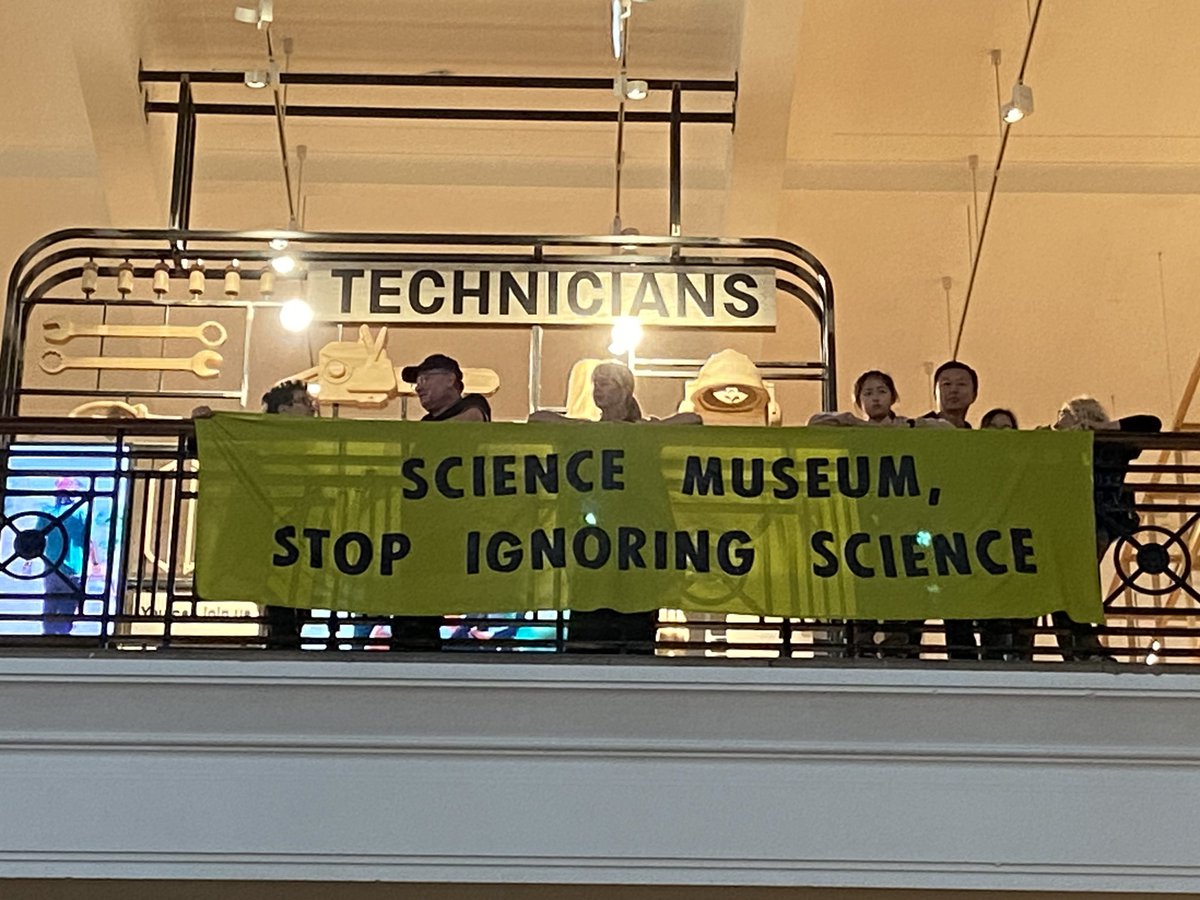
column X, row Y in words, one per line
column 205, row 363
column 59, row 331
column 355, row 373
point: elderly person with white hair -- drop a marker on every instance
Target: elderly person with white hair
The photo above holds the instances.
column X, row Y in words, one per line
column 1115, row 513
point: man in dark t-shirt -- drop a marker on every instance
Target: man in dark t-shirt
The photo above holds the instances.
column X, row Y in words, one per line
column 439, row 382
column 955, row 387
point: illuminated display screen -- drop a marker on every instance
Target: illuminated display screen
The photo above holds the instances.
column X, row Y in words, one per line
column 61, row 538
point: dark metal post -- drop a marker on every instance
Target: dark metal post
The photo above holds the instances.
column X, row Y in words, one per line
column 828, row 347
column 185, row 156
column 676, row 141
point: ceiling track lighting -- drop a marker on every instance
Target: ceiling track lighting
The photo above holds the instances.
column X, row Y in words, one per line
column 260, row 16
column 630, row 88
column 257, row 79
column 1021, row 104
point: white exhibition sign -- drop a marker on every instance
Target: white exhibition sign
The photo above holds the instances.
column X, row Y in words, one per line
column 546, row 294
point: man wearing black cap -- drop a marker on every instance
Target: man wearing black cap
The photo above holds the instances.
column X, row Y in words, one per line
column 439, row 382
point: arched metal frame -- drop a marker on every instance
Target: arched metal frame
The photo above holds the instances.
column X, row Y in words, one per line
column 56, row 261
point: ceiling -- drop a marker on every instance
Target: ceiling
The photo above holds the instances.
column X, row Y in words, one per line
column 856, row 123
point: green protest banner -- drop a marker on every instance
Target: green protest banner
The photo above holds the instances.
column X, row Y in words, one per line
column 422, row 518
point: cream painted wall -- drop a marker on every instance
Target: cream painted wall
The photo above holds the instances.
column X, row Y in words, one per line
column 1068, row 297
column 83, row 889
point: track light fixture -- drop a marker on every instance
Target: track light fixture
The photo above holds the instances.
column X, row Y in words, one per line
column 630, row 88
column 1021, row 104
column 260, row 16
column 257, row 78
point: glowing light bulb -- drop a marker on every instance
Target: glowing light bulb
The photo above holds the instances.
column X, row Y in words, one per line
column 626, row 335
column 283, row 264
column 295, row 315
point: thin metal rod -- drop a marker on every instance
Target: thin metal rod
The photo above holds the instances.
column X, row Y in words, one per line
column 185, row 153
column 281, row 128
column 445, row 114
column 339, row 79
column 619, row 164
column 987, row 209
column 676, row 165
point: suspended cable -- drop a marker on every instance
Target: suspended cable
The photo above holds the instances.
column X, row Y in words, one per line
column 987, row 209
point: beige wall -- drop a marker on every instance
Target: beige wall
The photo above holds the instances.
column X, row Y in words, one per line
column 249, row 890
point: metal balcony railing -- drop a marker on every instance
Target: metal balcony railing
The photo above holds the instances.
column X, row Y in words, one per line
column 97, row 538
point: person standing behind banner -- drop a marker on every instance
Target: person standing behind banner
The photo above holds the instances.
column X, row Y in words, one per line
column 875, row 394
column 284, row 623
column 603, row 630
column 1004, row 638
column 955, row 387
column 439, row 382
column 1116, row 516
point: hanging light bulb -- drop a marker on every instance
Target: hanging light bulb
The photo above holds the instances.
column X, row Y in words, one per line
column 1021, row 104
column 626, row 335
column 295, row 315
column 284, row 263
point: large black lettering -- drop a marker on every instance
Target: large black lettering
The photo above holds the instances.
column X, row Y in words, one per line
column 316, row 546
column 510, row 289
column 898, row 479
column 291, row 553
column 887, row 554
column 982, row 545
column 416, row 301
column 574, row 479
column 411, row 469
column 748, row 307
column 853, row 563
column 472, row 552
column 541, row 473
column 912, row 556
column 734, row 560
column 579, row 546
column 441, row 477
column 782, row 470
column 949, row 551
column 379, row 290
column 685, row 290
column 504, row 552
column 479, row 291
column 820, row 541
column 1023, row 552
column 550, row 548
column 649, row 285
column 347, row 277
column 817, row 480
column 393, row 547
column 611, row 470
column 503, row 476
column 630, row 542
column 737, row 477
column 703, row 482
column 691, row 552
column 862, row 484
column 341, row 553
column 573, row 300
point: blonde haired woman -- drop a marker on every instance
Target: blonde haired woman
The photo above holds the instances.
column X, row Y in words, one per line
column 1115, row 513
